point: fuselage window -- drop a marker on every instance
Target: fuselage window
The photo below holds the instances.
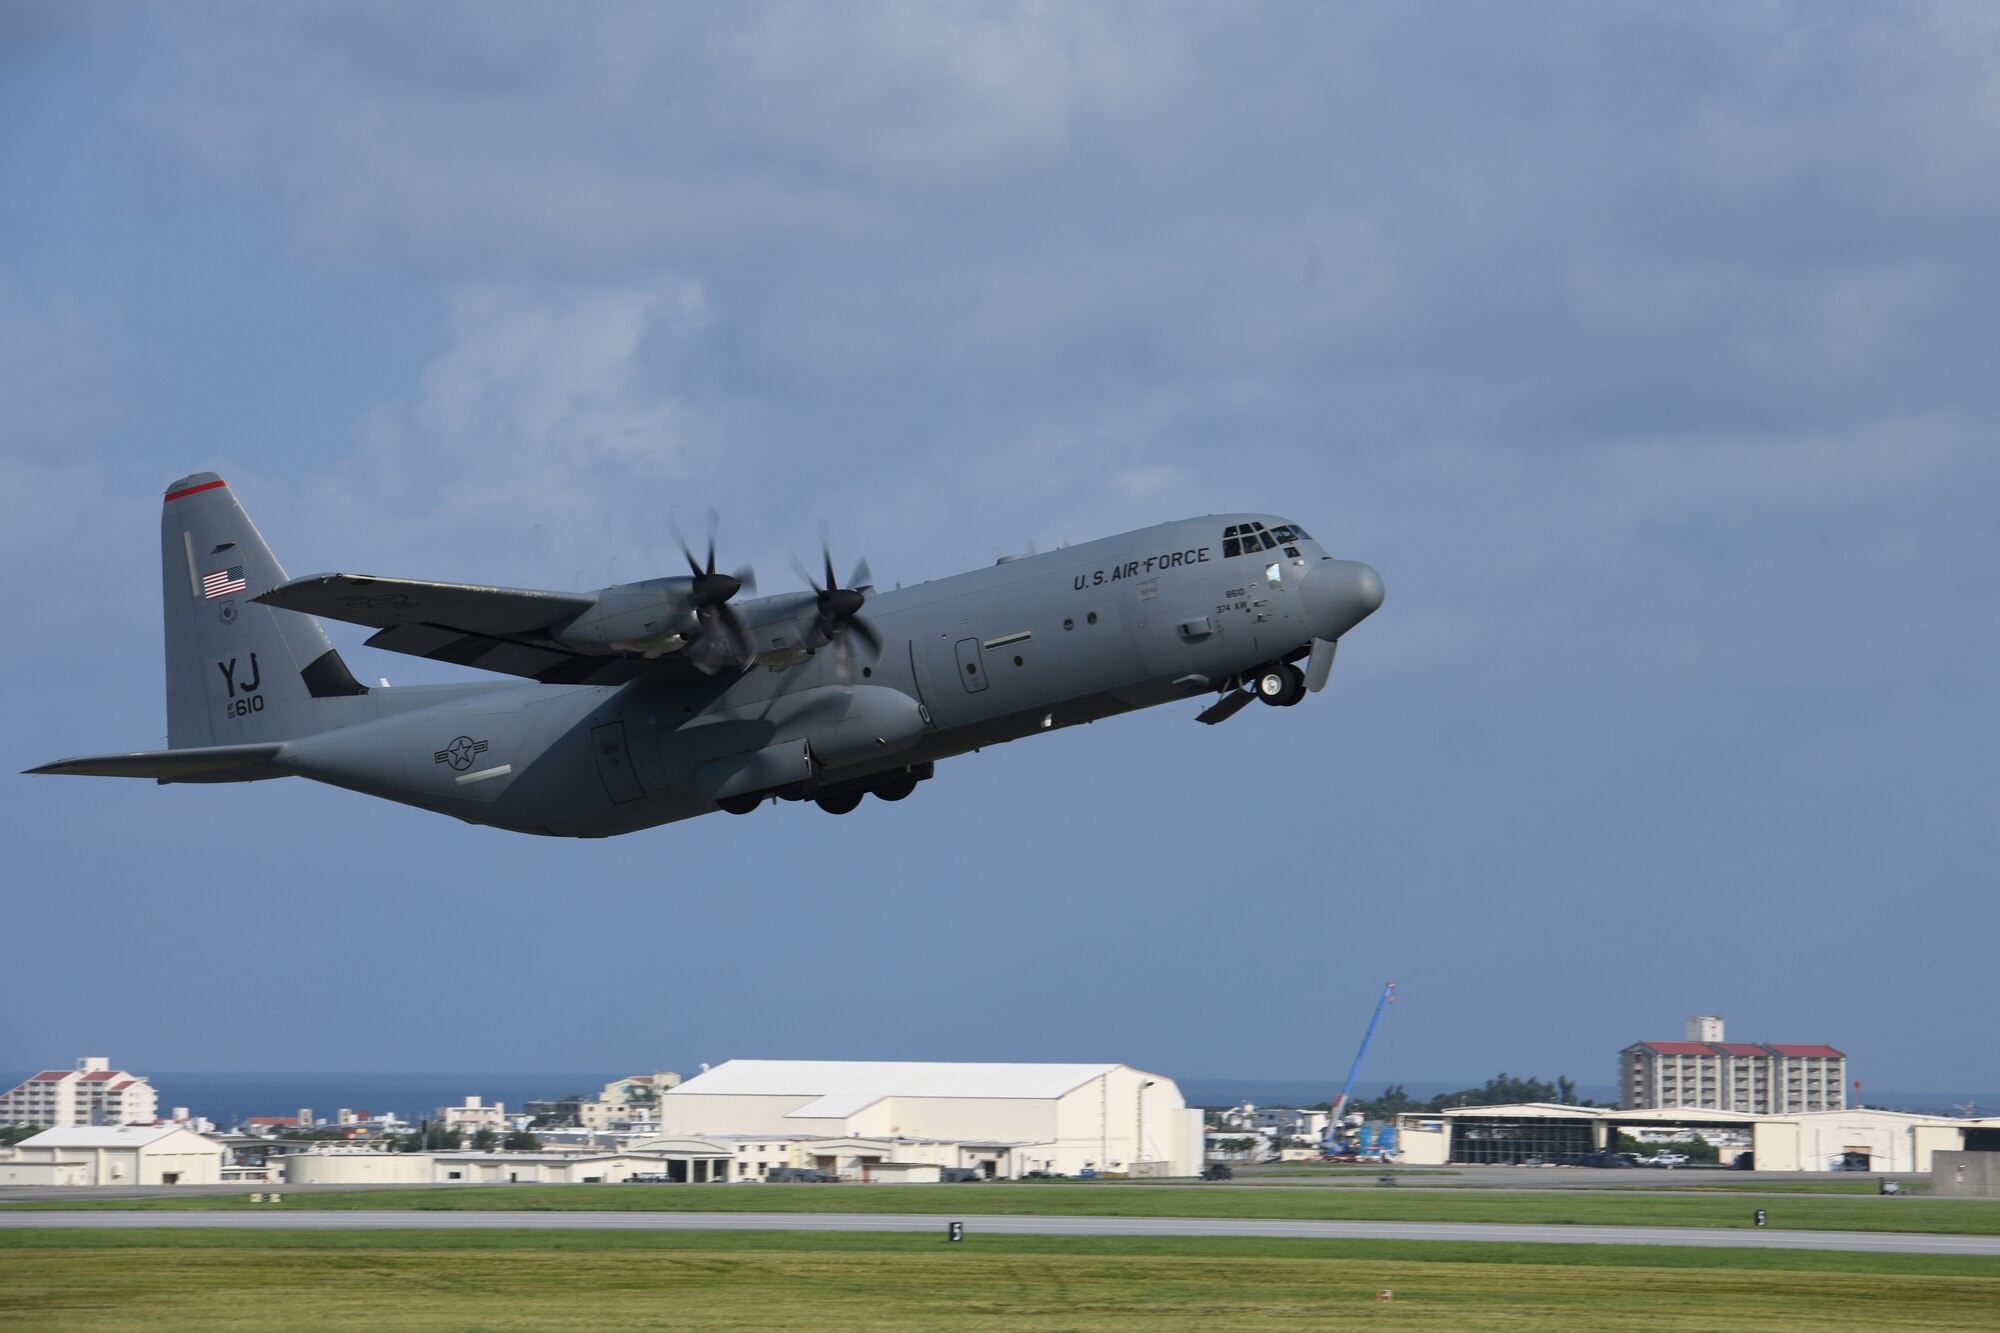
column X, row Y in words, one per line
column 1230, row 546
column 1270, row 542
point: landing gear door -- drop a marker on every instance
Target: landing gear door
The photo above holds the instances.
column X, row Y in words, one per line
column 614, row 763
column 971, row 667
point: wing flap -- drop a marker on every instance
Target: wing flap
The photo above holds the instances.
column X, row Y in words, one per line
column 204, row 763
column 551, row 666
column 379, row 603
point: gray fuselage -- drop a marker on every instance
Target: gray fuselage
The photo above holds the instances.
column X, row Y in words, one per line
column 1027, row 645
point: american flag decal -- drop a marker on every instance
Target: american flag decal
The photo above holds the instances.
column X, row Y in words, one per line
column 223, row 582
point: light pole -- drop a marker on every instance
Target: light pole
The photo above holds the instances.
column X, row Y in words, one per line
column 1139, row 1143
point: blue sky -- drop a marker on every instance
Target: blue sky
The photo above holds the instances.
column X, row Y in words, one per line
column 1647, row 351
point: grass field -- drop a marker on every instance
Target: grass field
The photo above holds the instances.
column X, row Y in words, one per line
column 733, row 1281
column 1908, row 1187
column 1806, row 1212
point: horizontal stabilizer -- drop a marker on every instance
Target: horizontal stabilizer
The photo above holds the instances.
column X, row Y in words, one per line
column 382, row 603
column 205, row 763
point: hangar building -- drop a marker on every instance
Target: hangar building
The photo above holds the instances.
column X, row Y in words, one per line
column 1005, row 1119
column 1856, row 1138
column 114, row 1155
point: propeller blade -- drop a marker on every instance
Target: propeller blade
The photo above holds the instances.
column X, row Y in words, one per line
column 862, row 575
column 746, row 579
column 868, row 635
column 1320, row 665
column 739, row 633
column 701, row 655
column 1224, row 708
column 805, row 575
column 843, row 661
column 694, row 565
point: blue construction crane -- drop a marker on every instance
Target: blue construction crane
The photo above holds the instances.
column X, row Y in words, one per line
column 1331, row 1143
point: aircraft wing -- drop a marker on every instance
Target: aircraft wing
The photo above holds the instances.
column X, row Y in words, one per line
column 385, row 603
column 509, row 630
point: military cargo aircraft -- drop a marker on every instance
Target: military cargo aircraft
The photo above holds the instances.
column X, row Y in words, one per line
column 646, row 703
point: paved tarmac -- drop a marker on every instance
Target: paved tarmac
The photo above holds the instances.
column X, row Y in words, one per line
column 977, row 1225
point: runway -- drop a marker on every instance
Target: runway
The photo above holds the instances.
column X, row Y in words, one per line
column 977, row 1225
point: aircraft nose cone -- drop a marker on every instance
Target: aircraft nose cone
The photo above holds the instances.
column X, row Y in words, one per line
column 1339, row 595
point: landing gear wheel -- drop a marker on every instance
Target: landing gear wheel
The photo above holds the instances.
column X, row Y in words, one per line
column 839, row 804
column 896, row 788
column 740, row 805
column 1280, row 686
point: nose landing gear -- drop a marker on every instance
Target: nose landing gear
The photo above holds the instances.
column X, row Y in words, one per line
column 1281, row 684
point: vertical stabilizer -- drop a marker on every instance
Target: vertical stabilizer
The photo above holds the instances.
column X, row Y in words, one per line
column 237, row 672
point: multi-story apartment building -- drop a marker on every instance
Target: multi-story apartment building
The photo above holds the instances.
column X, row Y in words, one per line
column 1707, row 1072
column 93, row 1093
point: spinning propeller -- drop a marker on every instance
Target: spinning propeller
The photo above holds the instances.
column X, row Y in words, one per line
column 723, row 638
column 840, row 612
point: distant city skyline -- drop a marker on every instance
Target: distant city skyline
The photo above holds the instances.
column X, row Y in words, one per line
column 1646, row 353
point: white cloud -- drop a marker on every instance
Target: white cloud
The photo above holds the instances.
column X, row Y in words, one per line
column 1623, row 318
column 542, row 441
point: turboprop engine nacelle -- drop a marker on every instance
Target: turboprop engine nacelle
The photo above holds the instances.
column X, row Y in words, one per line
column 650, row 617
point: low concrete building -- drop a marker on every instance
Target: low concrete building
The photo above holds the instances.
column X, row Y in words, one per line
column 42, row 1170
column 474, row 1115
column 116, row 1155
column 680, row 1161
column 1965, row 1175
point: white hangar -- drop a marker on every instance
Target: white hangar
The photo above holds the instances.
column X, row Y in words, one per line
column 155, row 1154
column 1005, row 1119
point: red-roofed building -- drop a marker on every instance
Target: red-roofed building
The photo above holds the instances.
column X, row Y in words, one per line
column 1707, row 1072
column 91, row 1094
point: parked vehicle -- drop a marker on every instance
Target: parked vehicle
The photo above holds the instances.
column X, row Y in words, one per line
column 960, row 1175
column 801, row 1175
column 1217, row 1171
column 1667, row 1159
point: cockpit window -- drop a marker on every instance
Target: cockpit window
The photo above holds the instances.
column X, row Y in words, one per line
column 1249, row 538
